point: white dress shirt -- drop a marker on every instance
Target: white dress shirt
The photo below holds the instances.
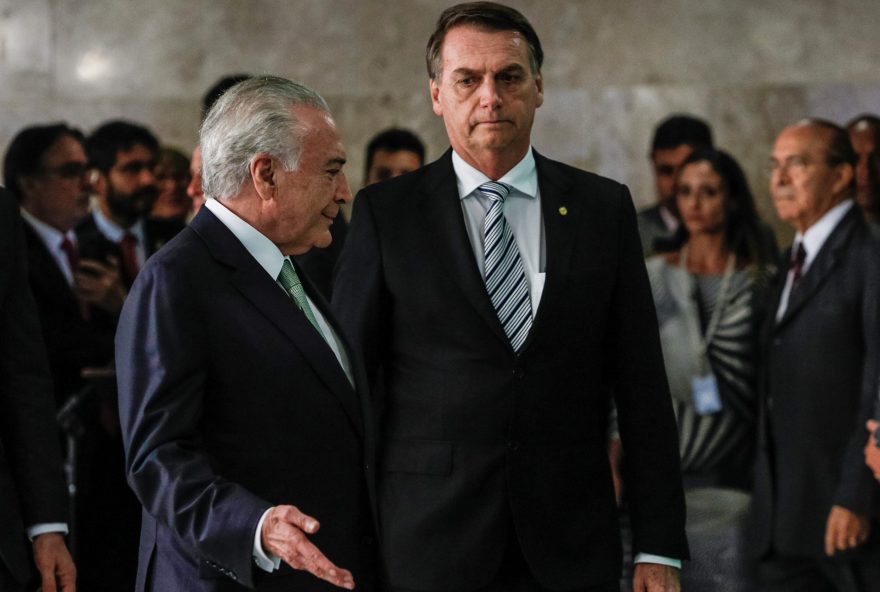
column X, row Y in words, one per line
column 271, row 259
column 115, row 233
column 52, row 238
column 522, row 209
column 812, row 239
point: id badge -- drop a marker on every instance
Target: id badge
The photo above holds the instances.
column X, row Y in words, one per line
column 707, row 400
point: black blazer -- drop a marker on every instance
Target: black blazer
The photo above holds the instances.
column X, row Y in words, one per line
column 72, row 343
column 818, row 379
column 478, row 441
column 94, row 245
column 230, row 403
column 31, row 482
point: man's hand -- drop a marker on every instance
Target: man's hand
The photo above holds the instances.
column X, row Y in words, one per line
column 284, row 534
column 54, row 563
column 845, row 530
column 99, row 284
column 872, row 453
column 652, row 577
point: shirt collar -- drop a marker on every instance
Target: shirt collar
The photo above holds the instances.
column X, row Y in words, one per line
column 267, row 254
column 522, row 178
column 115, row 233
column 50, row 235
column 818, row 233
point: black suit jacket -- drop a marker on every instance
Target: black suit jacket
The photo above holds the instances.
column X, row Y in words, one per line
column 230, row 403
column 94, row 245
column 818, row 379
column 31, row 482
column 478, row 441
column 72, row 342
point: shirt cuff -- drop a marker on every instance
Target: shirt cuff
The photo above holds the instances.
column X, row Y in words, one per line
column 265, row 561
column 45, row 528
column 658, row 559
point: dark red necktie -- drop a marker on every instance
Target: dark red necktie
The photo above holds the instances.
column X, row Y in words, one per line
column 128, row 246
column 73, row 260
column 797, row 264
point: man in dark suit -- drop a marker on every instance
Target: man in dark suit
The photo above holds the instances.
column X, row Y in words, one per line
column 120, row 231
column 675, row 138
column 237, row 394
column 814, row 505
column 45, row 167
column 494, row 470
column 32, row 492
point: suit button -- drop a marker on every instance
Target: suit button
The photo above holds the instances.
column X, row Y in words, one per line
column 367, row 540
column 777, row 341
column 367, row 467
column 519, row 372
column 513, row 445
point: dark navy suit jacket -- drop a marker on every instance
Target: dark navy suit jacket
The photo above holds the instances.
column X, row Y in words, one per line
column 230, row 403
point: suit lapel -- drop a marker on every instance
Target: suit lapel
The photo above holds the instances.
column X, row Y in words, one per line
column 828, row 258
column 561, row 216
column 256, row 286
column 443, row 218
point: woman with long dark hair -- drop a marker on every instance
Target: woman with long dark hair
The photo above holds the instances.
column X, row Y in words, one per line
column 707, row 294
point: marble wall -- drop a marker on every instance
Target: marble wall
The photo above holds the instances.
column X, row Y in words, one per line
column 613, row 68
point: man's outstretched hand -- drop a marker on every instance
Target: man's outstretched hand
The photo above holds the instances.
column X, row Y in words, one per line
column 284, row 534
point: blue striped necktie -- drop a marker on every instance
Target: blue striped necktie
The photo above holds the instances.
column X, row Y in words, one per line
column 505, row 275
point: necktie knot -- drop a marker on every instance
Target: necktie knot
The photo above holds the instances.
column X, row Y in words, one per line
column 495, row 191
column 291, row 283
column 289, row 279
column 71, row 252
column 798, row 259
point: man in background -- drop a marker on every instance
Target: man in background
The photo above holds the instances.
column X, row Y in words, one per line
column 33, row 499
column 864, row 132
column 119, row 230
column 813, row 508
column 45, row 167
column 674, row 140
column 391, row 153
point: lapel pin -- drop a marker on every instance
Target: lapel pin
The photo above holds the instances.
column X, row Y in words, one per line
column 563, row 211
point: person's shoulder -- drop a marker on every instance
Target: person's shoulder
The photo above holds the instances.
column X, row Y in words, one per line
column 401, row 191
column 548, row 166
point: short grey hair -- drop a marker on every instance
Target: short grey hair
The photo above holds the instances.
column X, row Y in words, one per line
column 253, row 117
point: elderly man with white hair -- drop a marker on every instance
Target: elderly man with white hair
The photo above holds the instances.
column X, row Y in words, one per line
column 246, row 434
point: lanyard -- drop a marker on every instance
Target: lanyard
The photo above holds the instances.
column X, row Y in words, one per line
column 720, row 301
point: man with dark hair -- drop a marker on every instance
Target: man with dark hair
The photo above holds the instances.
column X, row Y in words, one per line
column 32, row 493
column 119, row 231
column 45, row 167
column 221, row 86
column 814, row 500
column 494, row 470
column 674, row 140
column 392, row 153
column 864, row 133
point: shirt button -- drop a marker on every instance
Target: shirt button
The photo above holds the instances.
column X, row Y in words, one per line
column 513, row 445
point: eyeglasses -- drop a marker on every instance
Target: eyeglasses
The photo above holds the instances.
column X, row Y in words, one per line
column 68, row 170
